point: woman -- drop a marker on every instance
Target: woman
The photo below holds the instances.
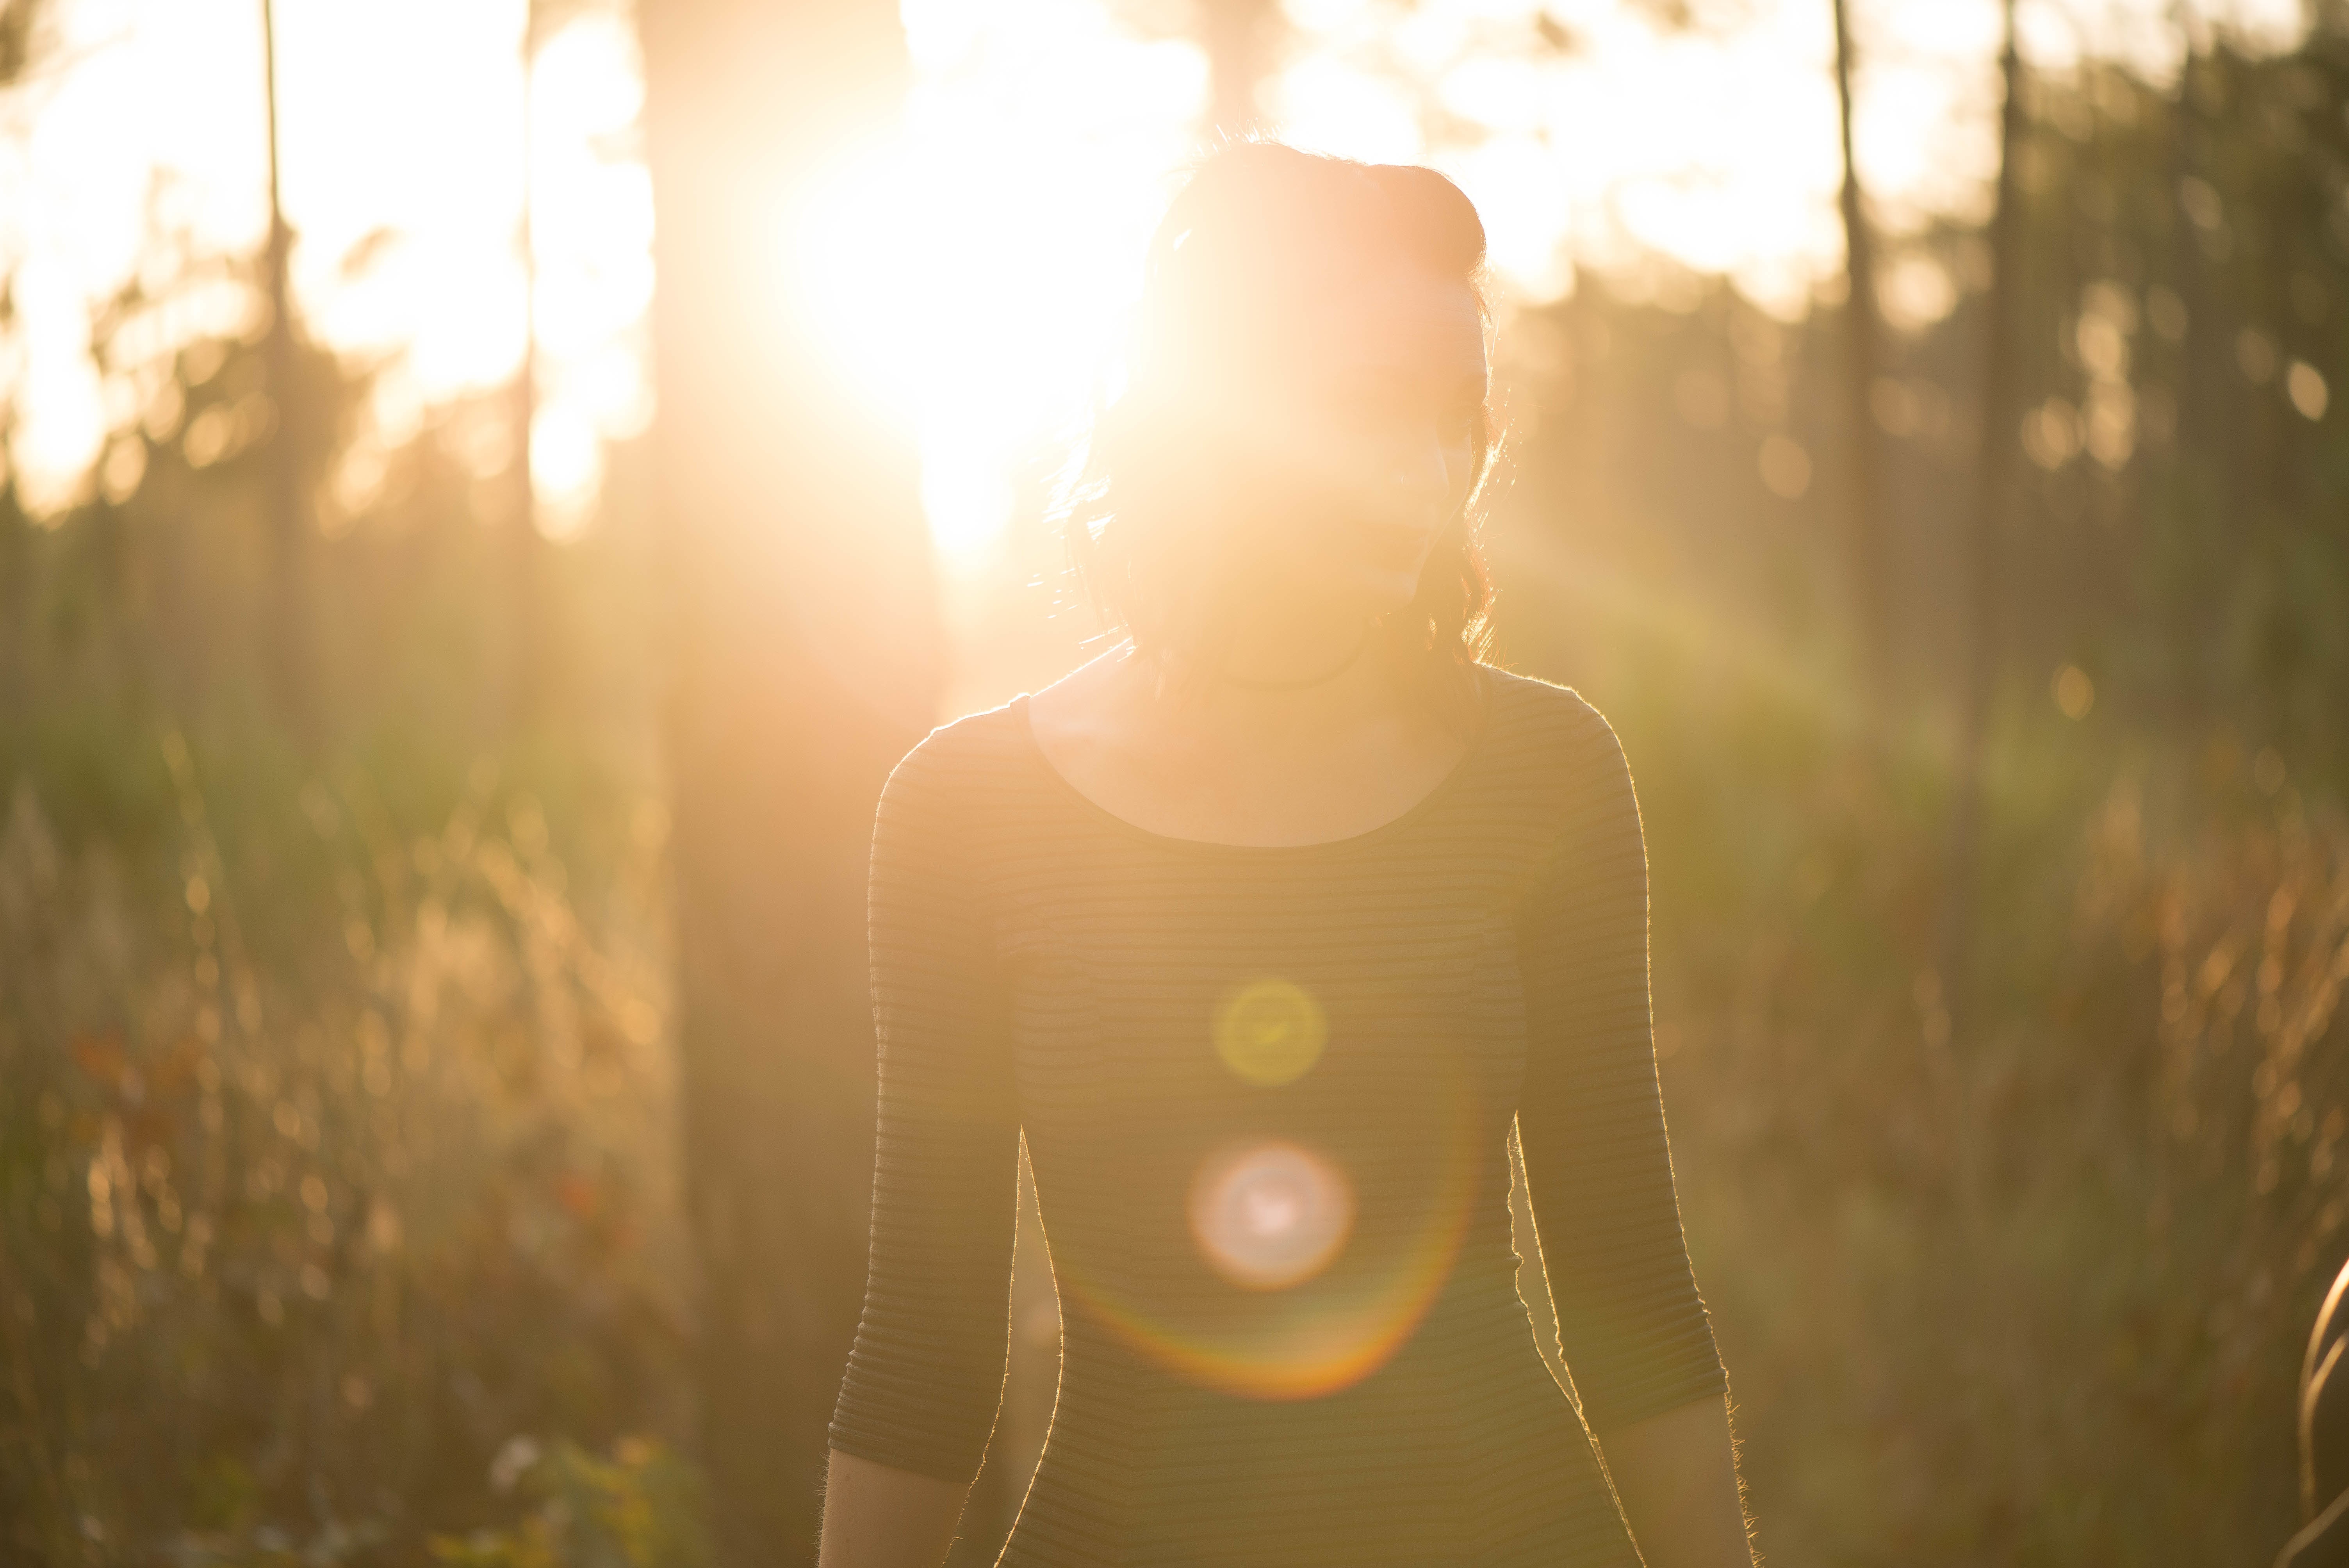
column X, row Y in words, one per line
column 1266, row 927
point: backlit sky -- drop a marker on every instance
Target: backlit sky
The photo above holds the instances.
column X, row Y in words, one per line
column 1048, row 120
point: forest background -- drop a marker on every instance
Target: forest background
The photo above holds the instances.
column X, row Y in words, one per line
column 434, row 1074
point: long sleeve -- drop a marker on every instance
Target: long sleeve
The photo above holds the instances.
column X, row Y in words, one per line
column 925, row 1374
column 1632, row 1327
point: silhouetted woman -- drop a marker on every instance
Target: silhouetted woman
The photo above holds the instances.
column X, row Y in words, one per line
column 1266, row 927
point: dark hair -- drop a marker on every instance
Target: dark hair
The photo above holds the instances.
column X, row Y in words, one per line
column 1152, row 514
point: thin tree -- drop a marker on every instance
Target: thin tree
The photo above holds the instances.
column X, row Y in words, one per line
column 1870, row 578
column 288, row 631
column 1993, row 498
column 19, row 52
column 2202, row 377
column 526, row 653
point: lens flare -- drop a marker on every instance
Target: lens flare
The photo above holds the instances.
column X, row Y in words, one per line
column 1351, row 1301
column 1270, row 1032
column 1270, row 1214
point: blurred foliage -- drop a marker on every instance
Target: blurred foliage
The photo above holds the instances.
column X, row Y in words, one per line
column 336, row 1142
column 640, row 1509
column 2035, row 1294
column 338, row 1209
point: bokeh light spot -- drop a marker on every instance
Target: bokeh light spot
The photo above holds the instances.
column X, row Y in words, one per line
column 2074, row 692
column 1270, row 1032
column 1270, row 1214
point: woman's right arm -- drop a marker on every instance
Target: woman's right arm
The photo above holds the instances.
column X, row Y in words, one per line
column 917, row 1401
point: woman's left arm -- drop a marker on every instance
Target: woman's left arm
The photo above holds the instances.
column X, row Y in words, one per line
column 1597, row 1162
column 1677, row 1480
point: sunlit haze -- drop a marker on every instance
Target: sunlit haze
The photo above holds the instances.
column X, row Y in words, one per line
column 969, row 271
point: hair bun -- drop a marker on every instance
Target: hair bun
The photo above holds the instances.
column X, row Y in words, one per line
column 1435, row 213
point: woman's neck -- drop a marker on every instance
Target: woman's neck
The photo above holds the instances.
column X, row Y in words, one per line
column 1294, row 652
column 1294, row 684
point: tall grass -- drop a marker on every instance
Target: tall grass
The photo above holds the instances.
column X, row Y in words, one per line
column 308, row 1253
column 2034, row 1293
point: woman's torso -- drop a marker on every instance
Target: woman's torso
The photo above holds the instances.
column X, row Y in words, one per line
column 1267, row 1094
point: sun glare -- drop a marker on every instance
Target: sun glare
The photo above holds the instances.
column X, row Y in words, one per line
column 967, row 272
column 852, row 243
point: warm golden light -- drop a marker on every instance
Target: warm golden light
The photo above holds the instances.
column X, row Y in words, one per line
column 971, row 272
column 853, row 237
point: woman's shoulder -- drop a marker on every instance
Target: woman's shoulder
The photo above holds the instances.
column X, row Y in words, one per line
column 961, row 754
column 998, row 744
column 1548, row 726
column 1559, row 767
column 958, row 775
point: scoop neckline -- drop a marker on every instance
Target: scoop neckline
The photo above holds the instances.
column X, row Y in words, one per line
column 1442, row 789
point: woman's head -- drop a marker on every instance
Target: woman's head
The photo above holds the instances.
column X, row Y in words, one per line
column 1303, row 427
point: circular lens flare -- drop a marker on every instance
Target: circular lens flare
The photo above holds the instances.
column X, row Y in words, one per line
column 1270, row 1032
column 1342, row 1315
column 1270, row 1214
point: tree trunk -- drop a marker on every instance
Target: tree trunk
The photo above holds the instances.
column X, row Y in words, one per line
column 291, row 651
column 1994, row 493
column 806, row 661
column 1870, row 580
column 2204, row 388
column 526, row 675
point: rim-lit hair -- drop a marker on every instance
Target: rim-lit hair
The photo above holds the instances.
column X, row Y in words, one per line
column 1157, row 515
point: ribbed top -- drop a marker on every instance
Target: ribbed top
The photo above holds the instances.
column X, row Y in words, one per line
column 1267, row 1094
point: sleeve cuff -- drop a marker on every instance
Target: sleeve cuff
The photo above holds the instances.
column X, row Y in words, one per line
column 923, row 1460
